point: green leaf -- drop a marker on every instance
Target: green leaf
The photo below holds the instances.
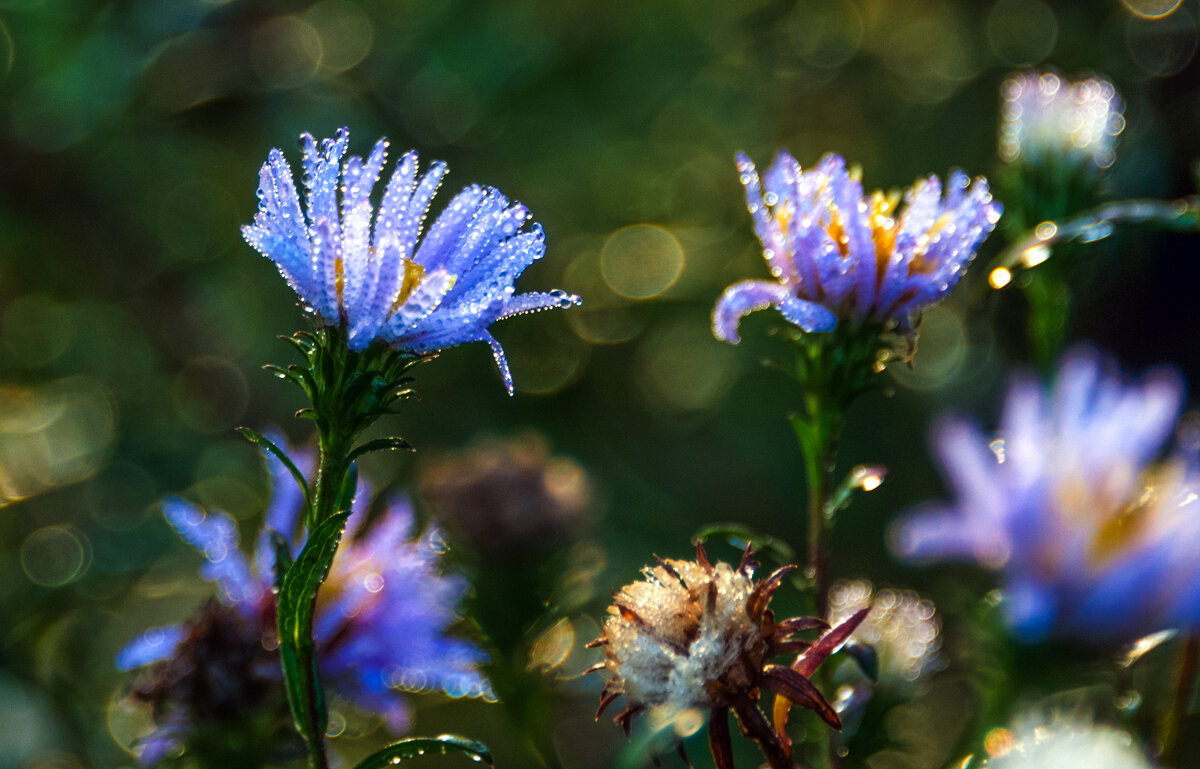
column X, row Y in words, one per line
column 297, row 603
column 419, row 746
column 863, row 478
column 267, row 446
column 345, row 498
column 394, row 443
column 739, row 535
column 283, row 556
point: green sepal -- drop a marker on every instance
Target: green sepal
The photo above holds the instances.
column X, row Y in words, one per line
column 739, row 535
column 394, row 443
column 267, row 446
column 419, row 746
column 297, row 604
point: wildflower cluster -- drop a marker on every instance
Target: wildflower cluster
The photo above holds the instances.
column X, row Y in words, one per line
column 381, row 625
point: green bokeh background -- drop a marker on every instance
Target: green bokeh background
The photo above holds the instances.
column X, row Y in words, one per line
column 134, row 320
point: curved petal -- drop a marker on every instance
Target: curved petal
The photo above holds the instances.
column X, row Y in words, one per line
column 741, row 299
column 152, row 646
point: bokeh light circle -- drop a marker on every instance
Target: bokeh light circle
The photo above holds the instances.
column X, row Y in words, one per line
column 1152, row 9
column 1162, row 47
column 53, row 556
column 641, row 261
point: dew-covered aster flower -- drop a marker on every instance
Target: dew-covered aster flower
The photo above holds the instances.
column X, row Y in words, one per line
column 694, row 635
column 382, row 615
column 837, row 254
column 1045, row 116
column 365, row 270
column 1065, row 743
column 1092, row 537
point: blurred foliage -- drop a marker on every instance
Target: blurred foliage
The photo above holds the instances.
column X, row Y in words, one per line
column 133, row 320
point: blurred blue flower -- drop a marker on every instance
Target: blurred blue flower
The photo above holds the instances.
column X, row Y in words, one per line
column 382, row 615
column 365, row 270
column 1092, row 537
column 836, row 254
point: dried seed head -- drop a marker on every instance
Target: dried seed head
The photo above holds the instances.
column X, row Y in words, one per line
column 684, row 636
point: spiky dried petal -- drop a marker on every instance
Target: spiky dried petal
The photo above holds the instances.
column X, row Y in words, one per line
column 788, row 683
column 606, row 699
column 718, row 738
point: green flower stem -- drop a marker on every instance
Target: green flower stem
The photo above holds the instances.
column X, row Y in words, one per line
column 1050, row 311
column 333, row 465
column 833, row 369
column 348, row 390
column 1186, row 678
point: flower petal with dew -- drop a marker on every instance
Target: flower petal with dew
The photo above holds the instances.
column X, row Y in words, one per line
column 837, row 254
column 1093, row 538
column 1045, row 116
column 382, row 616
column 373, row 273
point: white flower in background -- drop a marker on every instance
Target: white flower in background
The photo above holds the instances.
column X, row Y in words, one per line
column 1044, row 115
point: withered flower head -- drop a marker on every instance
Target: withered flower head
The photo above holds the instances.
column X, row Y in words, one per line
column 509, row 498
column 697, row 635
column 220, row 673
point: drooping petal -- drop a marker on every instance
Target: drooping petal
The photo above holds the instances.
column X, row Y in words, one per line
column 741, row 299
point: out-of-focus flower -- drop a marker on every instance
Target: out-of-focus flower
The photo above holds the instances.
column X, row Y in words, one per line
column 1064, row 744
column 366, row 271
column 694, row 635
column 903, row 628
column 1093, row 539
column 1045, row 116
column 212, row 671
column 839, row 255
column 509, row 498
column 382, row 615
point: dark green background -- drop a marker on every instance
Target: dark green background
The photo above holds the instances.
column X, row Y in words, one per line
column 133, row 319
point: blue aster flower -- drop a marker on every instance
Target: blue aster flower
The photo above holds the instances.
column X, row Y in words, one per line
column 1092, row 537
column 364, row 270
column 836, row 254
column 382, row 616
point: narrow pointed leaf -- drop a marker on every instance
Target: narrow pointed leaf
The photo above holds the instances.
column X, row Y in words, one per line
column 345, row 498
column 739, row 536
column 394, row 443
column 419, row 746
column 297, row 604
column 267, row 446
column 283, row 557
column 862, row 479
